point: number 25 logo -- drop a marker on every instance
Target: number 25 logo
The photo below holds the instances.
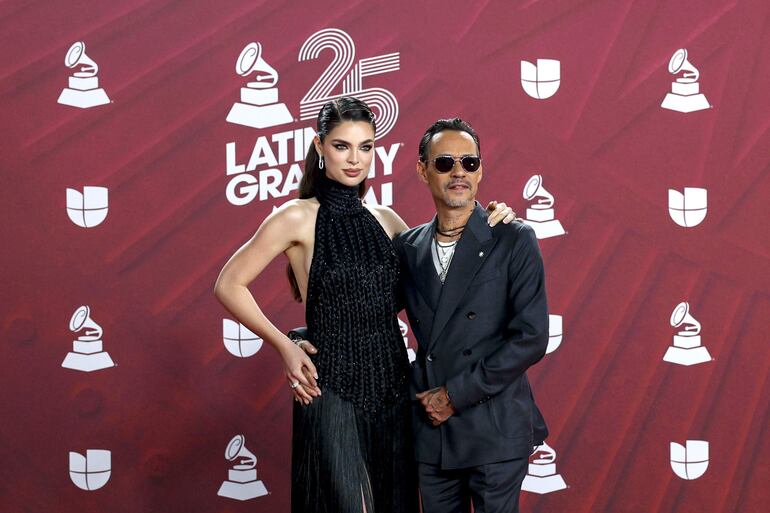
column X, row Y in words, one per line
column 380, row 100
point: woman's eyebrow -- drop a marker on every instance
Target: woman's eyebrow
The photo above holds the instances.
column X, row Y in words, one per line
column 343, row 141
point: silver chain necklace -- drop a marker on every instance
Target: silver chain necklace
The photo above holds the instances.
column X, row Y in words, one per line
column 445, row 256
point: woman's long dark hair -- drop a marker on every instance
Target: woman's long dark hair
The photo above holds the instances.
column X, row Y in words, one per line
column 330, row 116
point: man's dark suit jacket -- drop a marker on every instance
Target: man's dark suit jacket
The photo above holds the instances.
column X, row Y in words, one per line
column 477, row 334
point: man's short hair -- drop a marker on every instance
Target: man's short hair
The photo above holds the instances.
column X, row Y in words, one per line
column 446, row 124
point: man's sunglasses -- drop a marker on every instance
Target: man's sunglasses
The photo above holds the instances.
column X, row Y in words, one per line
column 445, row 163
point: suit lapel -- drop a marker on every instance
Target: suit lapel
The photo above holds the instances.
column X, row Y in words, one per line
column 421, row 265
column 471, row 252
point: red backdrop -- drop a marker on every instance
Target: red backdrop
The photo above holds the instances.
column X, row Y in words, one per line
column 605, row 148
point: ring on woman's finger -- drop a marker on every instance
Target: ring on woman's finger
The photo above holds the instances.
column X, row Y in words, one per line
column 294, row 385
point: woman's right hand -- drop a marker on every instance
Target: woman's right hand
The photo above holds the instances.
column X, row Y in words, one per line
column 299, row 368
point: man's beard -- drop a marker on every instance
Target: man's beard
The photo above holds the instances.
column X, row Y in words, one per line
column 458, row 203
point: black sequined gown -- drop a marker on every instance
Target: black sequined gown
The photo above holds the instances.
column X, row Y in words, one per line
column 352, row 446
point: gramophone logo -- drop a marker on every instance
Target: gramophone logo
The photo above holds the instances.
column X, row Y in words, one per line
column 541, row 81
column 685, row 95
column 404, row 331
column 87, row 354
column 688, row 209
column 92, row 471
column 690, row 461
column 540, row 215
column 273, row 168
column 555, row 333
column 239, row 340
column 83, row 90
column 687, row 348
column 541, row 476
column 88, row 208
column 242, row 483
column 259, row 106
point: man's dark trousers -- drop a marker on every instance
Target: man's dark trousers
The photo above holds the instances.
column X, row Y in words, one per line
column 494, row 487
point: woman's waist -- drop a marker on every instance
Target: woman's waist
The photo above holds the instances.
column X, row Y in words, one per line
column 336, row 340
column 354, row 379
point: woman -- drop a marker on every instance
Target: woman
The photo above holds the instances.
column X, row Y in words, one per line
column 351, row 448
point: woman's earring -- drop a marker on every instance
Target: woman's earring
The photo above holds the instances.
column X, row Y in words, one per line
column 321, row 162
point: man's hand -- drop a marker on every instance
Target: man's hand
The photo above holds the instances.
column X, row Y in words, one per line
column 437, row 405
column 306, row 346
column 500, row 212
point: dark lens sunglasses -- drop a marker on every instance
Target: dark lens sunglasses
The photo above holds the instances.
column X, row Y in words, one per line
column 445, row 163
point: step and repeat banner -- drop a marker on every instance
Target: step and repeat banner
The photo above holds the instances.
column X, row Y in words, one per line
column 144, row 141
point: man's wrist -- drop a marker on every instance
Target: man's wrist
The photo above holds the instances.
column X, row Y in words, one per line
column 297, row 334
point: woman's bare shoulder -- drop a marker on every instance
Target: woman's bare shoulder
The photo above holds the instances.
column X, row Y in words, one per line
column 296, row 210
column 294, row 219
column 389, row 219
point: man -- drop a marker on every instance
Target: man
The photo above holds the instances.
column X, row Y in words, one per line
column 475, row 298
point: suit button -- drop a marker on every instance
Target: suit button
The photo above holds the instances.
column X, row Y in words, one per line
column 417, row 321
column 429, row 357
column 471, row 315
column 467, row 352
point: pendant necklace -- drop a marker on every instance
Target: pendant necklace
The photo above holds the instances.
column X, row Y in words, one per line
column 444, row 254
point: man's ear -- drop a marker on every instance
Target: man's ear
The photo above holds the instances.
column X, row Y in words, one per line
column 422, row 171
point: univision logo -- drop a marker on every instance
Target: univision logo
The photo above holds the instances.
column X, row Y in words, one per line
column 555, row 332
column 689, row 208
column 239, row 340
column 542, row 80
column 691, row 460
column 92, row 471
column 88, row 208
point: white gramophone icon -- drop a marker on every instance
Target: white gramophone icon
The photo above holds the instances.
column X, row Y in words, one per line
column 541, row 476
column 83, row 90
column 259, row 106
column 541, row 215
column 242, row 483
column 404, row 331
column 687, row 348
column 685, row 95
column 87, row 354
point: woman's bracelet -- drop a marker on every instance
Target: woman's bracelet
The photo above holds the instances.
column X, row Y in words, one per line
column 296, row 338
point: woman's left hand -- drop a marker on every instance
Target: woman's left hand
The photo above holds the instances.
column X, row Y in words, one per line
column 500, row 212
